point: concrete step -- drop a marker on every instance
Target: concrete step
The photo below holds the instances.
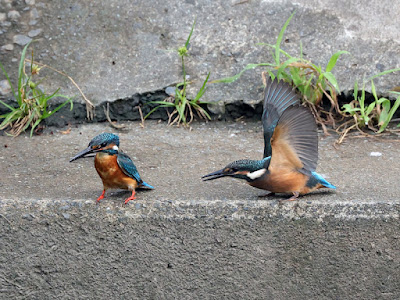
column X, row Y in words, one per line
column 190, row 239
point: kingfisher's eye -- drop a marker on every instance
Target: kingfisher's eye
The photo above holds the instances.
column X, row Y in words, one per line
column 103, row 144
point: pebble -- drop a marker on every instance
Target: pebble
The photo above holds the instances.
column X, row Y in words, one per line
column 30, row 2
column 28, row 217
column 13, row 15
column 21, row 40
column 3, row 17
column 8, row 47
column 376, row 154
column 170, row 91
column 34, row 32
column 34, row 13
column 5, row 87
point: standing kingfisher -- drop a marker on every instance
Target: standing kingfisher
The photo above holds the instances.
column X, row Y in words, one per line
column 115, row 168
column 290, row 147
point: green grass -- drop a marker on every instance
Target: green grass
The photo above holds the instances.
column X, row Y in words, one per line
column 314, row 81
column 183, row 109
column 32, row 101
column 377, row 115
column 310, row 79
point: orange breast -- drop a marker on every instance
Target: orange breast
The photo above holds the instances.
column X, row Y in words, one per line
column 111, row 174
column 282, row 180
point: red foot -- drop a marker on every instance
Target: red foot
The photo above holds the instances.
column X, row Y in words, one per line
column 293, row 198
column 101, row 196
column 131, row 197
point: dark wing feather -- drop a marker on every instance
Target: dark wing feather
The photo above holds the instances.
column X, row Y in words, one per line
column 128, row 167
column 278, row 96
column 296, row 132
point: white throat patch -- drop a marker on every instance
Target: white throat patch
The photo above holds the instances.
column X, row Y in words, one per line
column 115, row 147
column 256, row 174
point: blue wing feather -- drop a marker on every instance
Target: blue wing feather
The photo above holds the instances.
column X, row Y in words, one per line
column 128, row 167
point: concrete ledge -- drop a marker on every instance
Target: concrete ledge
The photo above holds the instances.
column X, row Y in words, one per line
column 190, row 239
column 116, row 49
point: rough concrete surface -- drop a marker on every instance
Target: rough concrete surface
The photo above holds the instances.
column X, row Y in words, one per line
column 190, row 239
column 116, row 49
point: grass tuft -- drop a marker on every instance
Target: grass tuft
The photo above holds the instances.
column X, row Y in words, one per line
column 32, row 101
column 183, row 109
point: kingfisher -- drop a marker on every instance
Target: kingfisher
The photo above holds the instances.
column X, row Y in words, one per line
column 115, row 168
column 290, row 147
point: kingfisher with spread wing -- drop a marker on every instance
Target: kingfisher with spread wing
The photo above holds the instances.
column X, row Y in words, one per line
column 290, row 147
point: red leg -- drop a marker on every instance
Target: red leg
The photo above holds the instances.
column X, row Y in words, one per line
column 132, row 197
column 101, row 196
column 294, row 197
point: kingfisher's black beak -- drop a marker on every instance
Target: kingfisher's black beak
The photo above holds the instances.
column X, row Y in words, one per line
column 82, row 154
column 215, row 175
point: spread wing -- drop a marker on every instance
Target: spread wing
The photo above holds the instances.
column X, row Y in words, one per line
column 295, row 140
column 128, row 167
column 278, row 96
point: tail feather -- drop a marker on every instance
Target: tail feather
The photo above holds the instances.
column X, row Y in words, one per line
column 322, row 181
column 145, row 185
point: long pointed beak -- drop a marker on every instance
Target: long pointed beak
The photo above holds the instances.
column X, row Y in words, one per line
column 214, row 175
column 82, row 154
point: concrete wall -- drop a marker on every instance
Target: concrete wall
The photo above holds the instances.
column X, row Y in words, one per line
column 199, row 250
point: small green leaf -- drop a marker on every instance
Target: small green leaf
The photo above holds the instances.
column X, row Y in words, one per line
column 347, row 108
column 383, row 73
column 370, row 108
column 34, row 126
column 237, row 76
column 165, row 103
column 385, row 111
column 202, row 89
column 190, row 35
column 275, row 47
column 373, row 90
column 284, row 65
column 390, row 115
column 21, row 75
column 332, row 80
column 355, row 92
column 272, row 75
column 46, row 114
column 280, row 37
column 8, row 106
column 332, row 62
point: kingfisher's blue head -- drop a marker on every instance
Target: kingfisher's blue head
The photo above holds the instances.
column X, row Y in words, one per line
column 104, row 139
column 250, row 170
column 104, row 142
